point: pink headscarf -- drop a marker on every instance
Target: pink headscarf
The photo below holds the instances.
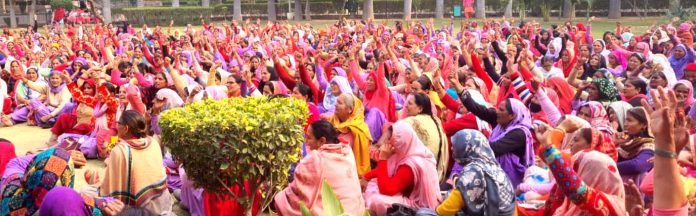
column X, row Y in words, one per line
column 600, row 119
column 598, row 171
column 410, row 151
column 646, row 50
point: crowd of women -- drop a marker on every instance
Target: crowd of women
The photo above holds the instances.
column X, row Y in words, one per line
column 498, row 118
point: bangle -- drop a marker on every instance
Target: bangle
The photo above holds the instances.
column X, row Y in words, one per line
column 665, row 153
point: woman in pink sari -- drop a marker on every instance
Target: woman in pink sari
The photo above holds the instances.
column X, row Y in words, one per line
column 329, row 160
column 406, row 173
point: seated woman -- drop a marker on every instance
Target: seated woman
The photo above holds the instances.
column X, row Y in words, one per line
column 338, row 85
column 80, row 121
column 471, row 196
column 328, row 160
column 27, row 180
column 429, row 130
column 406, row 173
column 617, row 115
column 511, row 139
column 57, row 99
column 23, row 95
column 349, row 120
column 635, row 146
column 136, row 153
column 592, row 186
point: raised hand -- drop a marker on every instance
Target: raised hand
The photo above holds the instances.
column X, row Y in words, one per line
column 663, row 118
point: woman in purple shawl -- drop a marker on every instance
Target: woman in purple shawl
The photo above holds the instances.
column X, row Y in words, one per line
column 681, row 56
column 511, row 139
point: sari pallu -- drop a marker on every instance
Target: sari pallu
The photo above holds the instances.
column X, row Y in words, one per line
column 23, row 194
column 429, row 130
column 512, row 164
column 135, row 176
column 356, row 126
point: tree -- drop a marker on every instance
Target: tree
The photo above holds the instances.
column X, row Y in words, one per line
column 307, row 12
column 614, row 9
column 508, row 9
column 205, row 3
column 439, row 9
column 407, row 9
column 32, row 12
column 480, row 9
column 368, row 9
column 175, row 3
column 589, row 8
column 13, row 16
column 237, row 10
column 298, row 10
column 106, row 10
column 271, row 10
column 569, row 9
column 545, row 7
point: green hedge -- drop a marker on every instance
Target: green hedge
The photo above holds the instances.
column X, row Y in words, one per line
column 162, row 15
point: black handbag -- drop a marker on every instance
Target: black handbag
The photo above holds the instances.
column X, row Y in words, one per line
column 400, row 210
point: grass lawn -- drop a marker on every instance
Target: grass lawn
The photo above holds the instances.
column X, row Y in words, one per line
column 599, row 26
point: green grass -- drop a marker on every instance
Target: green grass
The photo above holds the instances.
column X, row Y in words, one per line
column 599, row 26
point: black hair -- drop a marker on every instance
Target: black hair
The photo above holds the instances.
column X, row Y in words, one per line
column 237, row 78
column 305, row 91
column 144, row 68
column 586, row 133
column 639, row 56
column 113, row 89
column 639, row 114
column 122, row 66
column 425, row 83
column 135, row 123
column 423, row 101
column 323, row 128
column 270, row 86
column 641, row 85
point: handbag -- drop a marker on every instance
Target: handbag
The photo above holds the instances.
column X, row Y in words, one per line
column 398, row 209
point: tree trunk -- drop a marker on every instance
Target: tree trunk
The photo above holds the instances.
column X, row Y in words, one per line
column 614, row 9
column 439, row 9
column 237, row 10
column 106, row 11
column 368, row 10
column 271, row 10
column 298, row 10
column 205, row 3
column 13, row 17
column 175, row 3
column 674, row 7
column 32, row 12
column 307, row 12
column 407, row 9
column 508, row 9
column 140, row 3
column 480, row 12
column 566, row 8
column 587, row 11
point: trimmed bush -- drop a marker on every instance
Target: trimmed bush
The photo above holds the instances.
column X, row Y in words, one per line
column 225, row 143
column 67, row 4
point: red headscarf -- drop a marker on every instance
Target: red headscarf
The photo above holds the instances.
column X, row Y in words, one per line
column 381, row 98
column 7, row 153
column 601, row 142
column 565, row 93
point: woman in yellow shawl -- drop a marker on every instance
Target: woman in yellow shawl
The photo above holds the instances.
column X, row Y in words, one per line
column 349, row 120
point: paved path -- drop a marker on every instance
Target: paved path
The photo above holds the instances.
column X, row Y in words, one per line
column 26, row 138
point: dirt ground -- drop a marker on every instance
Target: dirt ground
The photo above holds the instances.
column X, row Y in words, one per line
column 26, row 138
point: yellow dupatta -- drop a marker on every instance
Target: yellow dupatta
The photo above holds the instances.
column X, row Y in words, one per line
column 355, row 124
